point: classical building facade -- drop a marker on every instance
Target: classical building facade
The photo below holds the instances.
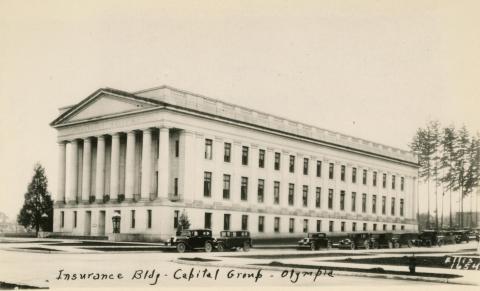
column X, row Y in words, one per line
column 154, row 154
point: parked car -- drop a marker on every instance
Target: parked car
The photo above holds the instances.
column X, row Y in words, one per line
column 358, row 240
column 315, row 241
column 386, row 240
column 229, row 240
column 449, row 237
column 431, row 238
column 409, row 239
column 464, row 235
column 192, row 239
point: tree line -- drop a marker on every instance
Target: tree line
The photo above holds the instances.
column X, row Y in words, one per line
column 449, row 160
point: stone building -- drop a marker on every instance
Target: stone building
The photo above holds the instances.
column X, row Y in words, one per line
column 152, row 154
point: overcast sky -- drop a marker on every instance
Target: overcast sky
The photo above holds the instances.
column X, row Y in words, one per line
column 372, row 69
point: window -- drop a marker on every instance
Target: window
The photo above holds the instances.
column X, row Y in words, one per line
column 75, row 219
column 364, row 177
column 393, row 206
column 291, row 167
column 319, row 168
column 305, row 225
column 244, row 189
column 384, row 227
column 384, row 181
column 402, row 227
column 384, row 205
column 342, row 173
column 291, row 193
column 364, row 226
column 374, row 203
column 354, row 226
column 319, row 225
column 207, row 184
column 393, row 182
column 374, row 227
column 227, row 152
column 276, row 192
column 208, row 220
column 260, row 190
column 244, row 155
column 342, row 226
column 401, row 207
column 330, row 226
column 261, row 158
column 291, row 225
column 276, row 224
column 208, row 149
column 177, row 148
column 354, row 175
column 394, row 227
column 318, row 197
column 330, row 198
column 305, row 196
column 354, row 201
column 330, row 171
column 176, row 215
column 261, row 223
column 226, row 186
column 374, row 182
column 175, row 187
column 305, row 166
column 132, row 220
column 342, row 200
column 62, row 218
column 244, row 222
column 226, row 222
column 149, row 218
column 277, row 161
column 402, row 183
column 364, row 202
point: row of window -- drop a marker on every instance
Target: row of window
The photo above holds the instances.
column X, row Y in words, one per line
column 207, row 192
column 291, row 167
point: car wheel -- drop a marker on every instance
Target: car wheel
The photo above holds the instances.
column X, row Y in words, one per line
column 208, row 247
column 313, row 247
column 181, row 247
column 220, row 248
column 246, row 247
column 352, row 246
column 410, row 244
column 390, row 245
column 329, row 246
column 467, row 240
column 396, row 245
column 439, row 243
column 367, row 245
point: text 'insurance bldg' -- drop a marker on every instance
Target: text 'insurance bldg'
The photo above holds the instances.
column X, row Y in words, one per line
column 152, row 155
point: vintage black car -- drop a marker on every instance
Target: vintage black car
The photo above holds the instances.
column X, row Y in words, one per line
column 192, row 239
column 358, row 240
column 431, row 238
column 409, row 239
column 230, row 240
column 386, row 240
column 315, row 241
column 461, row 236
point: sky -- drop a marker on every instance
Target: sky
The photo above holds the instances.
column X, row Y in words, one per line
column 372, row 69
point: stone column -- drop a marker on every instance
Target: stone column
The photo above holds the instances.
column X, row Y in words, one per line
column 62, row 160
column 115, row 166
column 163, row 162
column 146, row 163
column 130, row 166
column 87, row 163
column 73, row 172
column 100, row 171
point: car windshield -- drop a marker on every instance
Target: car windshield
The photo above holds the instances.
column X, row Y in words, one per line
column 225, row 234
column 316, row 235
column 185, row 233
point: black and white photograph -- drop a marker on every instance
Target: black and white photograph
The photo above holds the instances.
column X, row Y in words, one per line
column 239, row 144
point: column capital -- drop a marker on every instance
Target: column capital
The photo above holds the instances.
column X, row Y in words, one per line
column 115, row 134
column 147, row 130
column 87, row 139
column 101, row 137
column 131, row 132
column 62, row 142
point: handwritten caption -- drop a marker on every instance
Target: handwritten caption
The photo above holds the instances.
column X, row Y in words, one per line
column 462, row 263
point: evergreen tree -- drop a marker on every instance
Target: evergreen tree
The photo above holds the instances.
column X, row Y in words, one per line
column 183, row 222
column 461, row 166
column 447, row 162
column 434, row 141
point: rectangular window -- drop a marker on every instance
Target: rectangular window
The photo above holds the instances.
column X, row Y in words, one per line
column 62, row 218
column 227, row 152
column 330, row 226
column 319, row 225
column 393, row 182
column 260, row 190
column 305, row 196
column 208, row 149
column 402, row 227
column 374, row 180
column 342, row 200
column 384, row 181
column 175, row 186
column 401, row 207
column 149, row 218
column 364, row 177
column 384, row 205
column 342, row 173
column 393, row 206
column 319, row 168
column 318, row 197
column 354, row 201
column 176, row 215
column 244, row 222
column 291, row 166
column 374, row 204
column 277, row 161
column 132, row 220
column 364, row 202
column 354, row 175
column 261, row 223
column 330, row 171
column 261, row 158
column 384, row 227
column 305, row 225
column 374, row 227
column 276, row 192
column 208, row 220
column 364, row 226
column 402, row 183
column 226, row 186
column 74, row 219
column 226, row 222
column 354, row 226
column 244, row 155
column 291, row 193
column 330, row 198
column 276, row 224
column 207, row 184
column 177, row 148
column 305, row 166
column 291, row 225
column 244, row 189
column 394, row 227
column 342, row 226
